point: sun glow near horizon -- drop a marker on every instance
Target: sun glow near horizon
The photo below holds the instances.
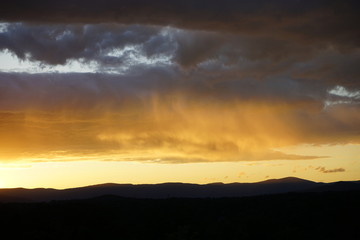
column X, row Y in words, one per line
column 77, row 173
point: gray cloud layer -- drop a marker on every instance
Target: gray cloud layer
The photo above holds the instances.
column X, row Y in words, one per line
column 309, row 20
column 159, row 92
column 179, row 118
column 113, row 47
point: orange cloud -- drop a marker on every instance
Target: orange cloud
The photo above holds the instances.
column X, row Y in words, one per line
column 171, row 129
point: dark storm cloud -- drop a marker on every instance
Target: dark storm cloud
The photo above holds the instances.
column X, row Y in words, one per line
column 329, row 20
column 115, row 47
column 57, row 44
column 316, row 40
column 56, row 91
column 60, row 43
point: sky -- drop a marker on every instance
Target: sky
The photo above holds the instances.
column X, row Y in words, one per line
column 201, row 91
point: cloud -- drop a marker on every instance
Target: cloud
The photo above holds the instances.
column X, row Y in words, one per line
column 61, row 43
column 319, row 20
column 179, row 81
column 157, row 115
column 335, row 170
column 114, row 48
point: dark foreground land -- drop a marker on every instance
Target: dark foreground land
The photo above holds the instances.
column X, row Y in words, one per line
column 325, row 215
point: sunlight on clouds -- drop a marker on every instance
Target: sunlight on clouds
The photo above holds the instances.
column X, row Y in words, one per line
column 64, row 53
column 111, row 102
column 128, row 57
column 50, row 117
column 167, row 130
column 10, row 63
column 135, row 56
column 343, row 92
column 341, row 95
column 348, row 152
column 3, row 27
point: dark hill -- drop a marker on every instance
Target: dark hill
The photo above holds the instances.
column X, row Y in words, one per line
column 338, row 186
column 287, row 180
column 175, row 190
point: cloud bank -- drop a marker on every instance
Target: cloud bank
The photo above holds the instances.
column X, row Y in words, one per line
column 179, row 81
column 317, row 20
column 159, row 117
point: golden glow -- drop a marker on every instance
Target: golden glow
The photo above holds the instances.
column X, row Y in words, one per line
column 168, row 130
column 209, row 142
column 81, row 173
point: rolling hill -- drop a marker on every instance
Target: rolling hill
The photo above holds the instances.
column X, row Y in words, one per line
column 175, row 190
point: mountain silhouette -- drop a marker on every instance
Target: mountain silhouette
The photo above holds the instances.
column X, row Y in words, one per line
column 338, row 187
column 287, row 180
column 176, row 190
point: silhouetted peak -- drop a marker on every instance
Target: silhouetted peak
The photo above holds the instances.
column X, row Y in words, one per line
column 287, row 180
column 105, row 185
column 174, row 184
column 215, row 184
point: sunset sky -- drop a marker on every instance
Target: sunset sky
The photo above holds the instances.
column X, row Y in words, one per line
column 196, row 91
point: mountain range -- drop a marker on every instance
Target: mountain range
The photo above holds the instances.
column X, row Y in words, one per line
column 176, row 190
